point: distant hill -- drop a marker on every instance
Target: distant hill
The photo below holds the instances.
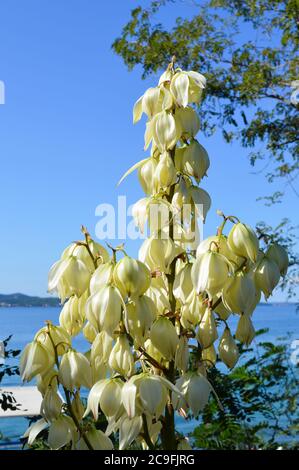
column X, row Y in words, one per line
column 22, row 300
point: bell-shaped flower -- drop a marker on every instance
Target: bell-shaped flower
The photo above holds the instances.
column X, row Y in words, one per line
column 129, row 429
column 210, row 272
column 207, row 330
column 189, row 122
column 209, row 356
column 74, row 370
column 201, row 200
column 157, row 253
column 68, row 276
column 89, row 332
column 195, row 391
column 52, row 336
column 106, row 394
column 245, row 331
column 182, row 354
column 183, row 286
column 243, row 241
column 228, row 350
column 140, row 315
column 238, row 293
column 121, row 358
column 146, row 174
column 51, row 404
column 103, row 309
column 186, row 87
column 166, row 131
column 218, row 243
column 101, row 276
column 164, row 337
column 165, row 172
column 62, row 431
column 266, row 275
column 35, row 359
column 280, row 256
column 34, row 430
column 196, row 161
column 192, row 311
column 101, row 347
column 152, row 102
column 97, row 439
column 80, row 251
column 131, row 276
column 72, row 317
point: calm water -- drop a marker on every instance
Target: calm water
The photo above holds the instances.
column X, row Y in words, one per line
column 24, row 322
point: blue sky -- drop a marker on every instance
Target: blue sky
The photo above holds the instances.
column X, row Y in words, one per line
column 66, row 135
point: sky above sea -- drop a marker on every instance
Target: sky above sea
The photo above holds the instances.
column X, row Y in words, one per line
column 66, row 136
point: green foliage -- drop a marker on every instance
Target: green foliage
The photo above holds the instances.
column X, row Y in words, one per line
column 249, row 71
column 259, row 399
column 7, row 369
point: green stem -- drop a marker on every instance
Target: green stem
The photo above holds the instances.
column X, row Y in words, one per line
column 168, row 428
column 146, row 435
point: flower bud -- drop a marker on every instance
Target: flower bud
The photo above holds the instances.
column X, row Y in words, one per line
column 77, row 406
column 279, row 255
column 245, row 330
column 131, row 276
column 35, row 359
column 74, row 370
column 210, row 272
column 164, row 338
column 238, row 293
column 243, row 241
column 103, row 309
column 195, row 160
column 207, row 330
column 68, row 276
column 266, row 275
column 228, row 350
column 121, row 358
column 51, row 404
column 165, row 172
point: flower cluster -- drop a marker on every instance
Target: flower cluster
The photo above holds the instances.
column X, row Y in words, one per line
column 152, row 325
